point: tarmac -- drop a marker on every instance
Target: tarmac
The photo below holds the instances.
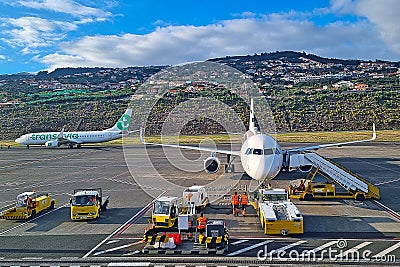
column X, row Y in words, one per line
column 133, row 175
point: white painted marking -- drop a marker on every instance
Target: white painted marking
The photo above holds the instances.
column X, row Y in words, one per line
column 116, row 248
column 249, row 248
column 131, row 253
column 323, row 246
column 391, row 212
column 121, row 227
column 388, row 182
column 286, row 247
column 159, row 265
column 239, row 242
column 387, row 251
column 123, row 264
column 112, row 241
column 31, row 220
column 354, row 249
column 95, row 265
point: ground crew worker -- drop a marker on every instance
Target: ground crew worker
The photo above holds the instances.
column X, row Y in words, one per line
column 201, row 223
column 31, row 204
column 301, row 187
column 244, row 200
column 235, row 204
column 28, row 202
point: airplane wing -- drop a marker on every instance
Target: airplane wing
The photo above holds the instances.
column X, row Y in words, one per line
column 299, row 149
column 222, row 151
column 64, row 141
column 79, row 124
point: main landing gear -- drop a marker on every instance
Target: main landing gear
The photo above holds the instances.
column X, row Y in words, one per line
column 72, row 146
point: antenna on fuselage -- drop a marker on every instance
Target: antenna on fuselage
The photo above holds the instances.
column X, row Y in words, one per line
column 252, row 124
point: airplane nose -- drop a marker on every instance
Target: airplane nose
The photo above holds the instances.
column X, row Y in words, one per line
column 262, row 168
column 259, row 169
column 20, row 140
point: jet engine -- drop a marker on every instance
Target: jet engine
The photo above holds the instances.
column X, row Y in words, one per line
column 211, row 164
column 52, row 143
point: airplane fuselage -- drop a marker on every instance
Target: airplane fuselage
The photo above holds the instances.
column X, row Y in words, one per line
column 80, row 137
column 261, row 156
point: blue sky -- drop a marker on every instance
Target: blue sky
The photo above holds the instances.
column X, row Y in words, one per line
column 46, row 34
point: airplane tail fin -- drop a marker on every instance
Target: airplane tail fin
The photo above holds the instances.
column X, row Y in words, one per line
column 123, row 123
column 252, row 123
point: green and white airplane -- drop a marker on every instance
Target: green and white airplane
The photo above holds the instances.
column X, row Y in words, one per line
column 56, row 139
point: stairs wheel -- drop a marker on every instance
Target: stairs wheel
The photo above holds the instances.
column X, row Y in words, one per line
column 308, row 197
column 360, row 197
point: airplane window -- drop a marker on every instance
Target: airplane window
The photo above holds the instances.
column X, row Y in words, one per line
column 257, row 151
column 249, row 151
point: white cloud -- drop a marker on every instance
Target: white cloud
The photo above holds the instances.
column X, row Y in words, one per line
column 69, row 7
column 382, row 14
column 33, row 32
column 177, row 44
column 342, row 6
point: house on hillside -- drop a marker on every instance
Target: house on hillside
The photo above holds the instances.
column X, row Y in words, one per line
column 361, row 87
column 342, row 84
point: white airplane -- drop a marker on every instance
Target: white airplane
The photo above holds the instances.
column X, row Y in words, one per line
column 261, row 155
column 56, row 139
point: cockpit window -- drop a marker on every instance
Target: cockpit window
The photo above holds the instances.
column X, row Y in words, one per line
column 257, row 151
column 268, row 151
column 265, row 151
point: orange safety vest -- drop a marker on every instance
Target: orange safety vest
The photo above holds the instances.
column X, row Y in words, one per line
column 201, row 222
column 244, row 200
column 235, row 199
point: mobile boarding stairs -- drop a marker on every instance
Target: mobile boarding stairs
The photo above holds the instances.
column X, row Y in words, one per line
column 356, row 186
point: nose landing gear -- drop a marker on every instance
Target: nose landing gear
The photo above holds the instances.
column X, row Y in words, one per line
column 229, row 166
